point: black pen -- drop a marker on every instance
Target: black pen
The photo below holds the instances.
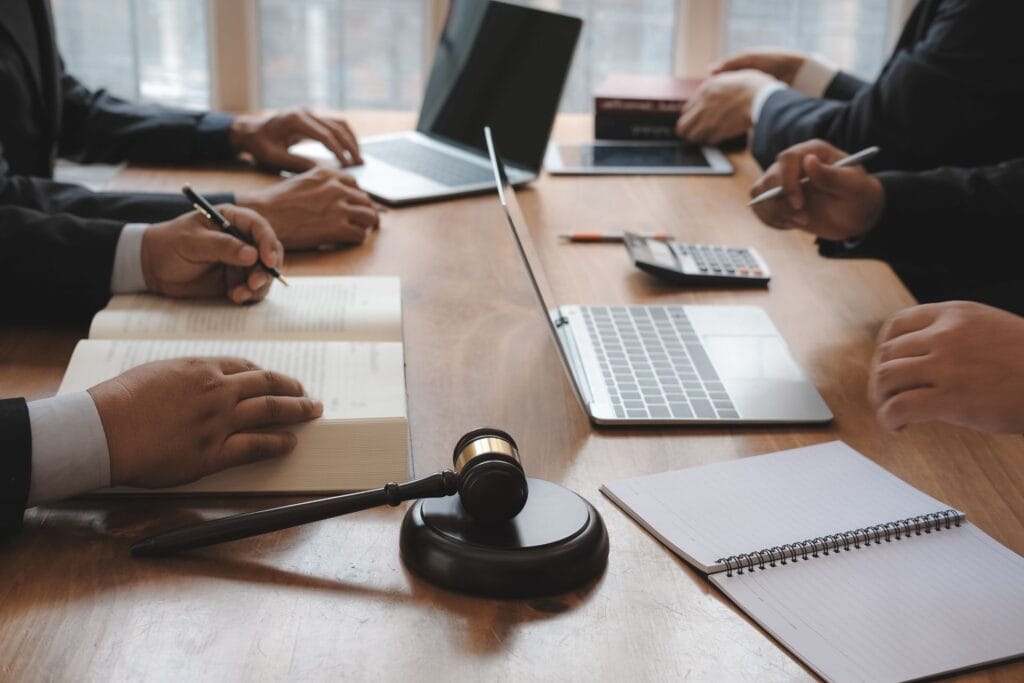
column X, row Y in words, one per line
column 217, row 218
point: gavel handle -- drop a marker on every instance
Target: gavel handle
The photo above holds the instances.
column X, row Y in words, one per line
column 274, row 519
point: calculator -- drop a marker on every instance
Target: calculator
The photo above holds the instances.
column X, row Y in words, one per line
column 697, row 264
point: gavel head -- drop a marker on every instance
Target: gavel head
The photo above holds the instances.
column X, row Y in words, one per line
column 492, row 483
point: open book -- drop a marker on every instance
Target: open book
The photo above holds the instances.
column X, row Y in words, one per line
column 860, row 575
column 339, row 336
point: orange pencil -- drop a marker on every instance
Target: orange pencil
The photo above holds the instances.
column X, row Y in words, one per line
column 605, row 237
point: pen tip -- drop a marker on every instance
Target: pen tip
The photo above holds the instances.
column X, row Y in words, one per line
column 283, row 281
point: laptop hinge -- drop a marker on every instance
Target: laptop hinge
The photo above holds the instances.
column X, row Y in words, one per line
column 568, row 344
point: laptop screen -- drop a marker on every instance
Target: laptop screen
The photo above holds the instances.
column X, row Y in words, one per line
column 502, row 66
column 520, row 229
column 528, row 254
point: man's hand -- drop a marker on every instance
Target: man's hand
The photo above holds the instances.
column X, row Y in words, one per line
column 779, row 64
column 174, row 421
column 720, row 109
column 267, row 138
column 836, row 203
column 190, row 257
column 320, row 207
column 957, row 361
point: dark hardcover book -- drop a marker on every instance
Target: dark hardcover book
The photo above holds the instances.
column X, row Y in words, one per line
column 628, row 107
column 634, row 126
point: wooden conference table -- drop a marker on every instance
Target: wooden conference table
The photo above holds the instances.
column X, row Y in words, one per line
column 332, row 600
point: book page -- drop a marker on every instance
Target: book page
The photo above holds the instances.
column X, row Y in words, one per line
column 715, row 511
column 355, row 380
column 312, row 308
column 922, row 606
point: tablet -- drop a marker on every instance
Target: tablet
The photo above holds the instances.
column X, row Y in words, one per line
column 614, row 157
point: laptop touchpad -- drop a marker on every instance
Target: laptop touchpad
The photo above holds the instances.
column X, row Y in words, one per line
column 749, row 357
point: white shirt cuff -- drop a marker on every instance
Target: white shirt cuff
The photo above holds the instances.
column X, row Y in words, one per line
column 69, row 448
column 761, row 97
column 813, row 77
column 127, row 276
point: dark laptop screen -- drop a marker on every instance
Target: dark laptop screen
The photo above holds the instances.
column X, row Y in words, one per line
column 502, row 66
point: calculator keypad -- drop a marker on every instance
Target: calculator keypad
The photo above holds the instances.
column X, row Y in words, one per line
column 718, row 261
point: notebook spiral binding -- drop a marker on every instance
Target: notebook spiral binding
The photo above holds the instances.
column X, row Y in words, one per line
column 844, row 540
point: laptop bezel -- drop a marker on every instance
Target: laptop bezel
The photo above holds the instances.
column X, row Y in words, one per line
column 482, row 152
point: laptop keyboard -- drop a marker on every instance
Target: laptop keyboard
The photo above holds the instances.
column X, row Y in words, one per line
column 654, row 365
column 428, row 162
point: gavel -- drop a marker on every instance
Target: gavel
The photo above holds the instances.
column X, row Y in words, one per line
column 488, row 477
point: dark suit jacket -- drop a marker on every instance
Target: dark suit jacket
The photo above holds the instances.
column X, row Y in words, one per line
column 15, row 463
column 952, row 233
column 54, row 267
column 46, row 113
column 952, row 93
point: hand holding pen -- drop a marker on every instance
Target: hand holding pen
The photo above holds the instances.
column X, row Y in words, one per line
column 187, row 257
column 790, row 172
column 820, row 189
column 211, row 214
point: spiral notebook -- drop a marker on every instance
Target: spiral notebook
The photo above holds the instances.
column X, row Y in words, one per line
column 857, row 573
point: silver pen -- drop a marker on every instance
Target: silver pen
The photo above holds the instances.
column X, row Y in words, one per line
column 852, row 160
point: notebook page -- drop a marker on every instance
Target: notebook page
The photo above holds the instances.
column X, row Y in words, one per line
column 355, row 380
column 715, row 511
column 922, row 606
column 312, row 308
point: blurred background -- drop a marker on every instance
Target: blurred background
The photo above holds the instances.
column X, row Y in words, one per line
column 374, row 54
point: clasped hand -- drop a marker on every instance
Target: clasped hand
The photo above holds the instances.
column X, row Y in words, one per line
column 956, row 361
column 721, row 108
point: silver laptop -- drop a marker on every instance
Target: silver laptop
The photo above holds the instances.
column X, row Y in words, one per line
column 497, row 64
column 669, row 364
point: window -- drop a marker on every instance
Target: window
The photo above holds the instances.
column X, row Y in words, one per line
column 348, row 54
column 328, row 53
column 852, row 33
column 342, row 54
column 154, row 50
column 630, row 36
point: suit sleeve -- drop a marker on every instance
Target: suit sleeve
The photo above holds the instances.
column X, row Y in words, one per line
column 98, row 127
column 845, row 87
column 954, row 97
column 51, row 196
column 54, row 267
column 970, row 220
column 15, row 463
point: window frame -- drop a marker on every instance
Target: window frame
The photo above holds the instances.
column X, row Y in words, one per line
column 234, row 49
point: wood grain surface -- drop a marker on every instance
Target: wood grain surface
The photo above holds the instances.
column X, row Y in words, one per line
column 332, row 600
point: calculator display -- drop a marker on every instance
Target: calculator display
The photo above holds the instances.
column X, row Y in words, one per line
column 662, row 254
